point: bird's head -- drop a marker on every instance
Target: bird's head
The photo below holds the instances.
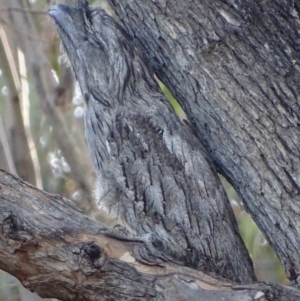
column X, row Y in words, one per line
column 98, row 48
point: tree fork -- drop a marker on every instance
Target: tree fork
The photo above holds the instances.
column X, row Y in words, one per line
column 234, row 68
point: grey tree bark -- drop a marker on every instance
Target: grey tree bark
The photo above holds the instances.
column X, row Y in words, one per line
column 234, row 67
column 232, row 92
column 153, row 175
column 57, row 252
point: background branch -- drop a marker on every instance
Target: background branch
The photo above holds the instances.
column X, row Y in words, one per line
column 49, row 93
column 18, row 146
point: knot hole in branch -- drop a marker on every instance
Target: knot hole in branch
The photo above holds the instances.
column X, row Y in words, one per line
column 96, row 255
column 11, row 225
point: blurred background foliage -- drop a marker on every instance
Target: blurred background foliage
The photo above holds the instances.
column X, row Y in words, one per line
column 42, row 127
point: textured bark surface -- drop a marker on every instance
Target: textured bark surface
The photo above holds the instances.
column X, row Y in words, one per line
column 56, row 251
column 153, row 174
column 234, row 68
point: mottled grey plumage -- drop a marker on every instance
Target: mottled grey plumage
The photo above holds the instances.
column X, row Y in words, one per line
column 151, row 170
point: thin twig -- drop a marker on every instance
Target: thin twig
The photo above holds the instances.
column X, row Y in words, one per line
column 6, row 148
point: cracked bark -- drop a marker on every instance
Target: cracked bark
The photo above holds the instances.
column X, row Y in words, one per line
column 47, row 243
column 234, row 68
column 153, row 175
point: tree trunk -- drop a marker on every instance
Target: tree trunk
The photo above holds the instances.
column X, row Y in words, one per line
column 56, row 251
column 234, row 67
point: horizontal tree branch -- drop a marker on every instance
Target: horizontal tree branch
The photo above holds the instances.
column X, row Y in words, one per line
column 48, row 243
